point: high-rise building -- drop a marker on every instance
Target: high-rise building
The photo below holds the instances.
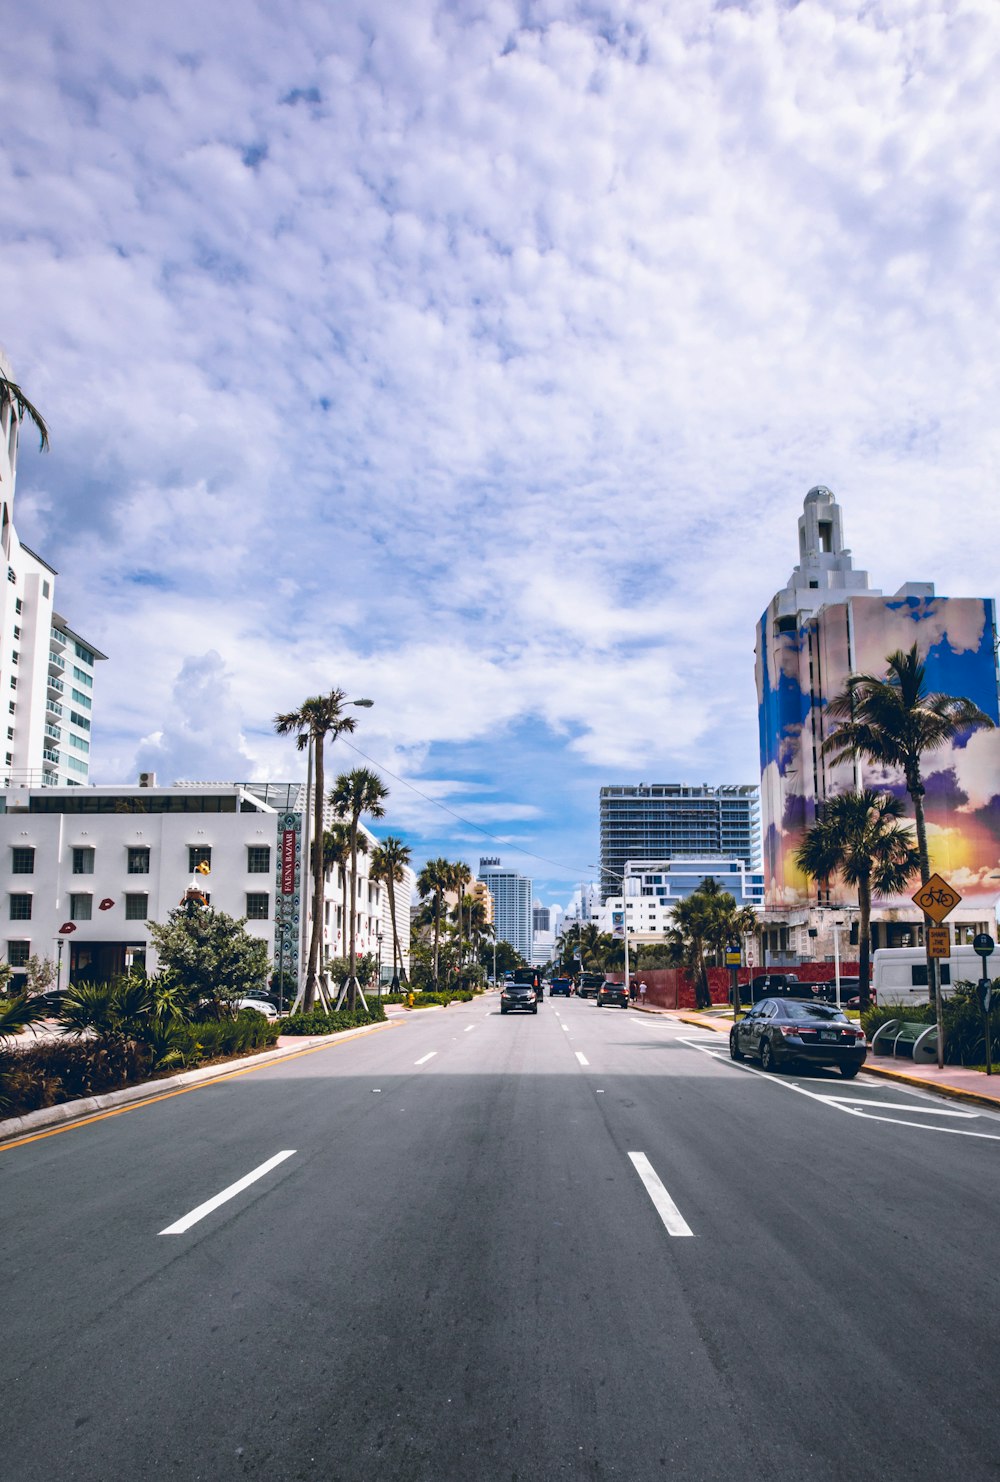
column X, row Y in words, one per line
column 46, row 669
column 670, row 820
column 825, row 624
column 511, row 894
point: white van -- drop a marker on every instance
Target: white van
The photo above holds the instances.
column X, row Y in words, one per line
column 899, row 974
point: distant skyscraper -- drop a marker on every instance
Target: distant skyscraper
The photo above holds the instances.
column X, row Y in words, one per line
column 670, row 820
column 511, row 894
column 824, row 625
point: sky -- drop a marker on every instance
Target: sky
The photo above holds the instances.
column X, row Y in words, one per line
column 477, row 358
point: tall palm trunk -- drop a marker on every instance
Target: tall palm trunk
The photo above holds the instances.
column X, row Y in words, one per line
column 397, row 951
column 312, row 972
column 915, row 787
column 864, row 941
column 352, row 991
column 437, row 931
column 343, row 908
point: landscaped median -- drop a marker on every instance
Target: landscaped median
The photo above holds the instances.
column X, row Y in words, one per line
column 60, row 1078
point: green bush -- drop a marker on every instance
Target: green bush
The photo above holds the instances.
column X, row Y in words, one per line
column 52, row 1071
column 964, row 1037
column 317, row 1021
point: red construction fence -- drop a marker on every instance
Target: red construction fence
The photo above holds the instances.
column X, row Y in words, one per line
column 673, row 987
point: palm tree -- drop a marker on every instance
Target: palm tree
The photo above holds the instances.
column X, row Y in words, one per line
column 315, row 720
column 434, row 879
column 389, row 862
column 461, row 876
column 702, row 921
column 355, row 793
column 858, row 837
column 337, row 855
column 12, row 396
column 893, row 721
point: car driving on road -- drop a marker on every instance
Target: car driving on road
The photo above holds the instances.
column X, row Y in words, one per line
column 612, row 993
column 515, row 996
column 561, row 986
column 779, row 1031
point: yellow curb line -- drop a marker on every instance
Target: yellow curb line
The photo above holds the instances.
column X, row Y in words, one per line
column 231, row 1075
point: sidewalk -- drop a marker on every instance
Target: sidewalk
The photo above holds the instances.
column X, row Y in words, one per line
column 972, row 1086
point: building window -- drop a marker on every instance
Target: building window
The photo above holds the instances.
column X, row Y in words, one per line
column 12, row 707
column 77, row 766
column 82, row 699
column 81, row 907
column 11, row 575
column 18, row 953
column 22, row 861
column 83, row 653
column 46, row 589
column 257, row 906
column 79, row 720
column 17, row 633
column 83, row 677
column 20, row 907
column 83, row 861
column 10, row 733
column 78, row 742
column 199, row 854
column 258, row 859
column 136, row 907
column 18, row 605
column 15, row 657
column 138, row 861
column 13, row 681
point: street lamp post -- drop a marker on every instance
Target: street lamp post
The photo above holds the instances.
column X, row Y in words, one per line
column 836, row 927
column 624, row 884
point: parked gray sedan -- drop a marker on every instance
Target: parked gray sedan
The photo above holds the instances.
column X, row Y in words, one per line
column 778, row 1031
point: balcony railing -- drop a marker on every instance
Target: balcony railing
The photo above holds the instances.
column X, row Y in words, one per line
column 53, row 707
column 54, row 732
column 56, row 660
column 58, row 640
column 50, row 756
column 55, row 685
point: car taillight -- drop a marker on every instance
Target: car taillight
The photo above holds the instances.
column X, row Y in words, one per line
column 794, row 1029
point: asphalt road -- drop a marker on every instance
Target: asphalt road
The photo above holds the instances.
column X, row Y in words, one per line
column 576, row 1245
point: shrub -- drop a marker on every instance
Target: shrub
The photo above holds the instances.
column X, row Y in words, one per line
column 319, row 1022
column 38, row 1075
column 964, row 1039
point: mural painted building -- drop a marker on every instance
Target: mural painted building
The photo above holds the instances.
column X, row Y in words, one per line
column 824, row 625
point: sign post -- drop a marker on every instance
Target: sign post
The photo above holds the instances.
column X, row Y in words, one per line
column 983, row 944
column 733, row 958
column 937, row 899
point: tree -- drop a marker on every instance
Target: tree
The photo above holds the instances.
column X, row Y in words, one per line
column 12, row 396
column 357, row 793
column 389, row 862
column 461, row 876
column 702, row 922
column 337, row 856
column 434, row 879
column 858, row 837
column 893, row 721
column 315, row 720
column 208, row 955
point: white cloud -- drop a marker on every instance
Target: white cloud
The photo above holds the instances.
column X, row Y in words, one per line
column 484, row 367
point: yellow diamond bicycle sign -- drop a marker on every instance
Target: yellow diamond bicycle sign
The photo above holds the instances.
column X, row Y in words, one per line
column 937, row 898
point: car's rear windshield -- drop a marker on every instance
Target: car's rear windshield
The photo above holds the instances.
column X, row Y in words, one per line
column 813, row 1011
column 561, row 981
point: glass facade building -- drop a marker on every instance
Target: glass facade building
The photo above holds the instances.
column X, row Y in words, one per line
column 670, row 820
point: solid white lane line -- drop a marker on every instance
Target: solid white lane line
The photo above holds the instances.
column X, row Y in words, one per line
column 851, row 1103
column 851, row 1111
column 582, row 1058
column 665, row 1207
column 188, row 1220
column 424, row 1058
column 468, row 1027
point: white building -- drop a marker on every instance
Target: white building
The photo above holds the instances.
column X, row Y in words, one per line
column 511, row 894
column 46, row 669
column 83, row 870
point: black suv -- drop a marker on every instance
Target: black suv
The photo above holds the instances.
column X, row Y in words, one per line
column 773, row 985
column 612, row 993
column 518, row 996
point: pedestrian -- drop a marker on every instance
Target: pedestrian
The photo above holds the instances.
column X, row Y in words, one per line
column 642, row 994
column 633, row 991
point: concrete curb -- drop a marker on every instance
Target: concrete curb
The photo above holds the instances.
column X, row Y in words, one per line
column 71, row 1111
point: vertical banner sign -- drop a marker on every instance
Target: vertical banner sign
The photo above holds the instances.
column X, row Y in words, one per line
column 288, row 900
